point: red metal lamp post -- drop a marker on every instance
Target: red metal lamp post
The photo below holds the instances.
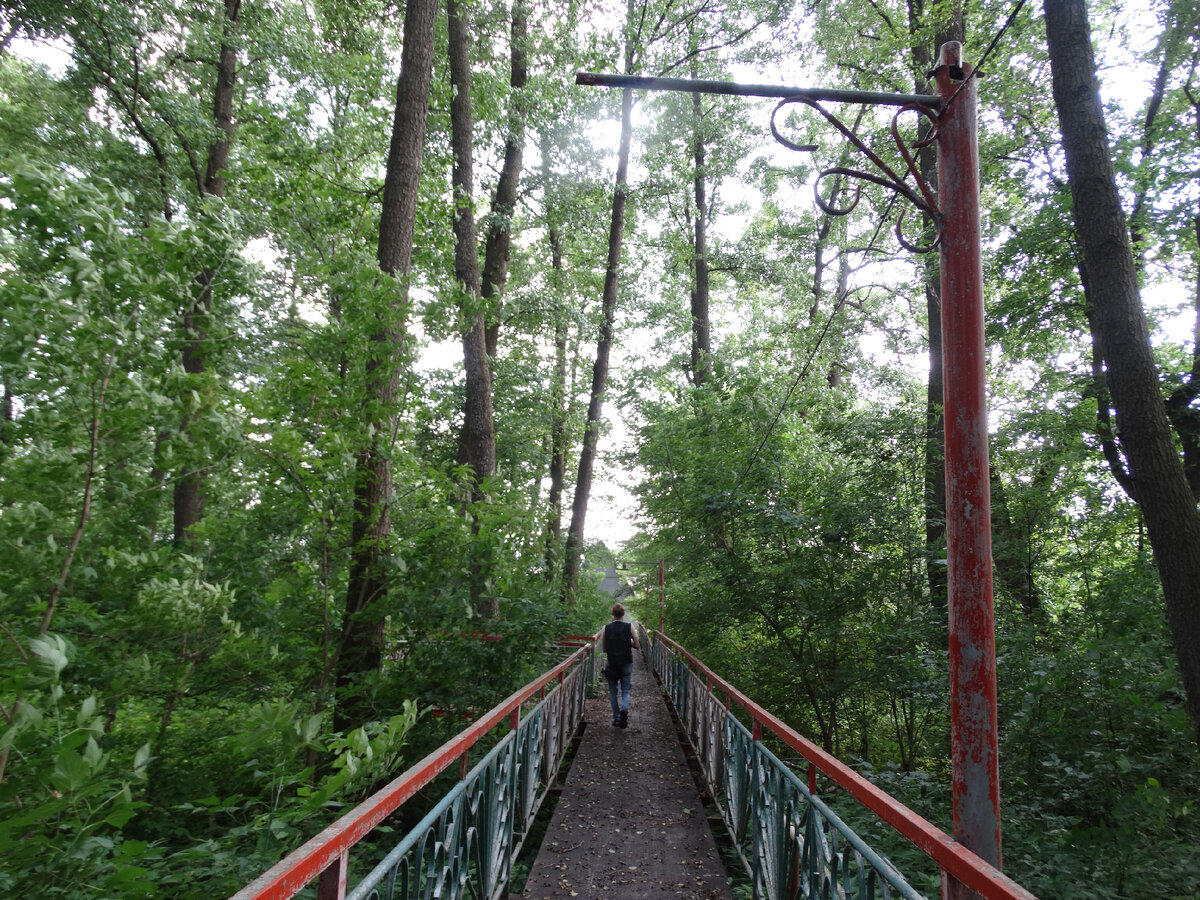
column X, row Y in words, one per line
column 955, row 212
column 973, row 730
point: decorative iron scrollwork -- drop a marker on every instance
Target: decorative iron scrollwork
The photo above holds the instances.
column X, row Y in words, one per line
column 922, row 197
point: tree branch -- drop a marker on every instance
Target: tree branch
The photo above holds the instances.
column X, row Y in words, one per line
column 85, row 511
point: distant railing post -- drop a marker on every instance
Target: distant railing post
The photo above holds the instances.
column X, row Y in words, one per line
column 332, row 883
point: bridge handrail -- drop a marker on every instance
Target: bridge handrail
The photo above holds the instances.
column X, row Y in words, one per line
column 953, row 858
column 326, row 855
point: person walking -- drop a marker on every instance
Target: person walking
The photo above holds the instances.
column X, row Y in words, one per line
column 619, row 644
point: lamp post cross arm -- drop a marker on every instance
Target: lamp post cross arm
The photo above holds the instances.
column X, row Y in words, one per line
column 732, row 88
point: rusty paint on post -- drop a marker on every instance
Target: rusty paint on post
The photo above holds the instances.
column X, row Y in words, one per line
column 974, row 760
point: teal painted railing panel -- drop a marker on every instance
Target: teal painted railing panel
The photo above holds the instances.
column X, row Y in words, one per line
column 465, row 846
column 790, row 842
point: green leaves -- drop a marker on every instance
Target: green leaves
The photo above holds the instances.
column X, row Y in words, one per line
column 66, row 793
column 74, row 769
column 51, row 651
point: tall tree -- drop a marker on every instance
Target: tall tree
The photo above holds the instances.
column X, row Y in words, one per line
column 1156, row 478
column 947, row 25
column 701, row 326
column 478, row 439
column 504, row 201
column 189, row 488
column 573, row 551
column 667, row 38
column 361, row 645
column 557, row 438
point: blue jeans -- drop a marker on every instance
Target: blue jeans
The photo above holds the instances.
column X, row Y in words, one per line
column 623, row 683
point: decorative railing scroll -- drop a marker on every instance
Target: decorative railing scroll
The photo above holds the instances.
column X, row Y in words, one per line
column 790, row 841
column 922, row 198
column 465, row 846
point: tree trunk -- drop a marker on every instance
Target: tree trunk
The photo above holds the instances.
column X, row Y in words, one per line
column 361, row 648
column 1012, row 552
column 591, row 436
column 189, row 489
column 701, row 331
column 935, row 450
column 558, row 445
column 558, row 389
column 504, row 203
column 478, row 439
column 1120, row 332
column 6, row 417
column 218, row 152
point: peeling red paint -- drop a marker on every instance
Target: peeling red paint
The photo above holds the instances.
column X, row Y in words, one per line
column 973, row 741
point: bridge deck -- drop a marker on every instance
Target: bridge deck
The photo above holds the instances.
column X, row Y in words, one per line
column 629, row 824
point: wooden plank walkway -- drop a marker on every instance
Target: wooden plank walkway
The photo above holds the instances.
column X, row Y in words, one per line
column 629, row 824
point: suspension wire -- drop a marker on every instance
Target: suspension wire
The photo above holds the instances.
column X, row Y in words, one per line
column 787, row 398
column 988, row 52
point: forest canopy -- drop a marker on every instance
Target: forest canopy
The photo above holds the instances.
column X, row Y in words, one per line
column 330, row 330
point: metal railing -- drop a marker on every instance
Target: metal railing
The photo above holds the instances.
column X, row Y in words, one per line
column 791, row 843
column 466, row 844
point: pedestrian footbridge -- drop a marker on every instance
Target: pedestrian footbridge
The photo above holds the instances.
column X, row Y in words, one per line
column 705, row 795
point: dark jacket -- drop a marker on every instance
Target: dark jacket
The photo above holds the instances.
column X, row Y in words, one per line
column 618, row 643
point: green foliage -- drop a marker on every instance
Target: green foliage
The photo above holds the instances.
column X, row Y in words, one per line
column 67, row 795
column 239, row 835
column 168, row 730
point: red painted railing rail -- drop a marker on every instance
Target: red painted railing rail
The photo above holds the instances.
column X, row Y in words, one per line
column 326, row 856
column 576, row 640
column 952, row 857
